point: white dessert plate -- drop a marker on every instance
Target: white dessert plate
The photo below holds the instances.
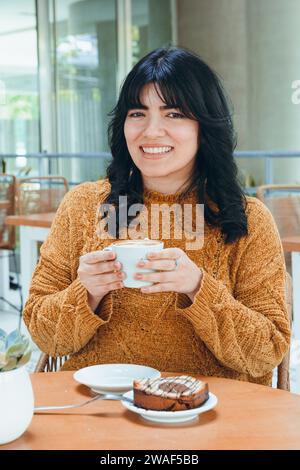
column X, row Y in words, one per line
column 113, row 378
column 171, row 417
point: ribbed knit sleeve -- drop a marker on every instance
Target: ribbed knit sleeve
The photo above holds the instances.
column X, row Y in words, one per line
column 57, row 313
column 247, row 330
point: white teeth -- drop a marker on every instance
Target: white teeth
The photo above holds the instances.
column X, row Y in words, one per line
column 156, row 149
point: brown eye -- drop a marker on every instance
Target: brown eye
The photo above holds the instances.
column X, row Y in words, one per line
column 136, row 114
column 176, row 115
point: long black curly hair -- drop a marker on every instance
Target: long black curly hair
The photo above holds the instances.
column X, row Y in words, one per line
column 183, row 79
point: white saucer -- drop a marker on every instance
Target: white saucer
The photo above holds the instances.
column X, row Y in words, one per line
column 171, row 417
column 114, row 378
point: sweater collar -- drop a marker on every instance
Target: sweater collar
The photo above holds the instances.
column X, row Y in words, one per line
column 179, row 197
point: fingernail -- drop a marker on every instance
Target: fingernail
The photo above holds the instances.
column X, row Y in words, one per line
column 151, row 255
column 141, row 263
column 117, row 264
column 138, row 275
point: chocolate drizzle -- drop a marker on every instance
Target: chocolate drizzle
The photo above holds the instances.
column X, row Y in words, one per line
column 171, row 387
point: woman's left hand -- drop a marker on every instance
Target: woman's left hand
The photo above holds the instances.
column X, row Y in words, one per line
column 180, row 273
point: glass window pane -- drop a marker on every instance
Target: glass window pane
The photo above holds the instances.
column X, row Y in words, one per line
column 19, row 99
column 86, row 63
column 151, row 26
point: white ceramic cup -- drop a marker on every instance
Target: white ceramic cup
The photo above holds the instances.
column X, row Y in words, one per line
column 129, row 253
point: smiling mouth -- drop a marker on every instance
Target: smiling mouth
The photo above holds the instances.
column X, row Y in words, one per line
column 156, row 152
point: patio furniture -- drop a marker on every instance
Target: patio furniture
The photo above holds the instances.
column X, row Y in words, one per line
column 34, row 229
column 38, row 195
column 7, row 237
column 247, row 416
column 283, row 370
column 7, row 207
column 37, row 199
column 284, row 203
column 48, row 363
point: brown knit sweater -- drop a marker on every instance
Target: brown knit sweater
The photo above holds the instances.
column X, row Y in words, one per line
column 237, row 326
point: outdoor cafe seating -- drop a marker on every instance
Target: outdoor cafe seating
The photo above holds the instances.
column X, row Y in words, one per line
column 22, row 197
column 30, row 196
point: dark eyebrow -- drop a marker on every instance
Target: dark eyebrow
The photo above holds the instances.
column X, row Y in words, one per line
column 142, row 106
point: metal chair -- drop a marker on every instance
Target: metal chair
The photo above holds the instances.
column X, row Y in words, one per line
column 284, row 203
column 48, row 363
column 7, row 207
column 8, row 232
column 40, row 194
column 283, row 370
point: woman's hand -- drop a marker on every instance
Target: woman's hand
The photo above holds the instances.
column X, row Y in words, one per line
column 99, row 274
column 180, row 273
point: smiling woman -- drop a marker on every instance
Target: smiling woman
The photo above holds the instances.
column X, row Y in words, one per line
column 162, row 142
column 215, row 310
column 171, row 98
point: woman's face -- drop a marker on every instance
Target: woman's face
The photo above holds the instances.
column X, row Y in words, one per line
column 162, row 142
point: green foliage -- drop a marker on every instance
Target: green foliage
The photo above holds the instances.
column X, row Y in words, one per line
column 15, row 350
column 23, row 106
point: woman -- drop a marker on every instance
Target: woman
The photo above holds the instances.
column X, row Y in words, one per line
column 218, row 310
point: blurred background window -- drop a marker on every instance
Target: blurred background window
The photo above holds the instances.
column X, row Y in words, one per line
column 62, row 63
column 86, row 64
column 151, row 26
column 85, row 59
column 61, row 66
column 19, row 95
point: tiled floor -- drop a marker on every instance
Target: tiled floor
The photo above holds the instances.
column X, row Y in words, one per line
column 9, row 321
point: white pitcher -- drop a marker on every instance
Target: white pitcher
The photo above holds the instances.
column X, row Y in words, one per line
column 16, row 404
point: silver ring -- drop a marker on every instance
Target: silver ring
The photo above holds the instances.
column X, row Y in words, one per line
column 176, row 263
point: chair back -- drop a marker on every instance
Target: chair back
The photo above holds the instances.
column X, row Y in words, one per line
column 7, row 207
column 284, row 203
column 40, row 194
column 283, row 370
column 48, row 363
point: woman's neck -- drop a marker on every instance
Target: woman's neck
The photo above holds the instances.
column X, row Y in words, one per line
column 166, row 186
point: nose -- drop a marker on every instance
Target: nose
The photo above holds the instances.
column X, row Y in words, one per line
column 154, row 128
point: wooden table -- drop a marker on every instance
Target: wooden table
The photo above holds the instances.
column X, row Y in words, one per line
column 292, row 244
column 33, row 220
column 34, row 228
column 248, row 416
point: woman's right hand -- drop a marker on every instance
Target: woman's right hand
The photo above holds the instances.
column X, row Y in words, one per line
column 99, row 273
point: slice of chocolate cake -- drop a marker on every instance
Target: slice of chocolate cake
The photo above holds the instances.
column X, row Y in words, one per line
column 170, row 393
